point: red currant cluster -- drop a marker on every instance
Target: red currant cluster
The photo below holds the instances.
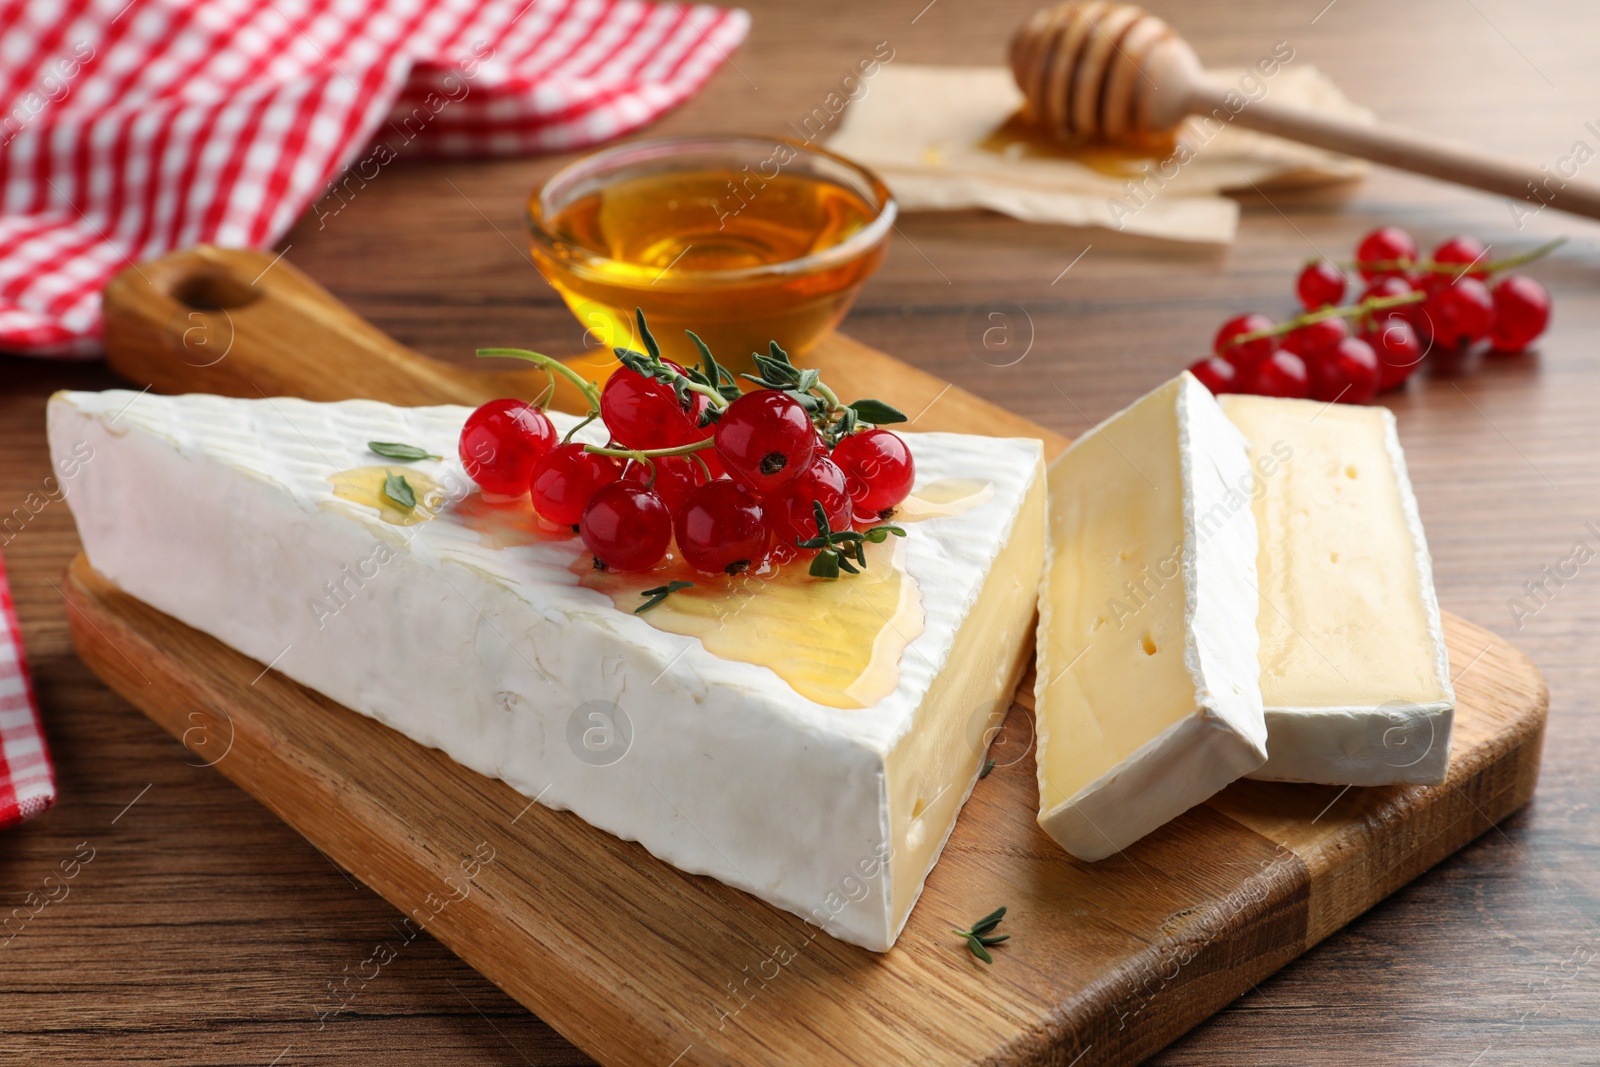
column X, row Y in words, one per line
column 1407, row 307
column 738, row 479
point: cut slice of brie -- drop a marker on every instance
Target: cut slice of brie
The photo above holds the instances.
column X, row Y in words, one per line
column 265, row 524
column 1354, row 672
column 1147, row 695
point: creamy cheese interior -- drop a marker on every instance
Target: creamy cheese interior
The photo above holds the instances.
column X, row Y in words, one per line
column 1115, row 662
column 1347, row 615
column 929, row 773
column 1147, row 696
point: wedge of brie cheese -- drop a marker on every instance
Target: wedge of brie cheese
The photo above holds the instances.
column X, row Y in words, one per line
column 1354, row 672
column 266, row 524
column 1147, row 695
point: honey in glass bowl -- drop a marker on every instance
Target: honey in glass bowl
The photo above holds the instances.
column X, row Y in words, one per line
column 743, row 240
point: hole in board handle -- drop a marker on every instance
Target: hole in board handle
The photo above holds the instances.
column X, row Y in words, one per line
column 215, row 291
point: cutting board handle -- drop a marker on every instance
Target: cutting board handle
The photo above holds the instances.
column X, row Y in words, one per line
column 246, row 323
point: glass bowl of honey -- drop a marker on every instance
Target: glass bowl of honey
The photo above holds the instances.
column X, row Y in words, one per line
column 744, row 240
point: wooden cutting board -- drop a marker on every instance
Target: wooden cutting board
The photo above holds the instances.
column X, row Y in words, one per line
column 637, row 963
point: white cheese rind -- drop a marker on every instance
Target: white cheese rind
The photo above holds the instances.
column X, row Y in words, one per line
column 1205, row 722
column 1381, row 588
column 219, row 513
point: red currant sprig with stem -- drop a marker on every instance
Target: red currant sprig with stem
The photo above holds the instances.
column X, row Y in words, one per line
column 651, row 366
column 1434, row 266
column 590, row 391
column 833, row 418
column 1351, row 311
column 774, row 441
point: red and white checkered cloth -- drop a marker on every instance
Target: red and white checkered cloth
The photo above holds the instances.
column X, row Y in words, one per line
column 27, row 781
column 131, row 129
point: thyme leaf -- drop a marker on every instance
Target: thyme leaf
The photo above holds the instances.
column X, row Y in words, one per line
column 877, row 412
column 397, row 489
column 980, row 937
column 658, row 594
column 402, row 452
column 646, row 336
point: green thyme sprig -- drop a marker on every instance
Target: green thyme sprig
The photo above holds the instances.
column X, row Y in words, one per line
column 981, row 937
column 397, row 489
column 832, row 417
column 708, row 377
column 660, row 593
column 710, row 371
column 402, row 452
column 842, row 551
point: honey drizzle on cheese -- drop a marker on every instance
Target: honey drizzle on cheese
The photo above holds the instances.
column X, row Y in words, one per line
column 837, row 642
column 948, row 496
column 504, row 523
column 364, row 485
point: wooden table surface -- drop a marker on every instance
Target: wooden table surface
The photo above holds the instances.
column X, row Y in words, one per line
column 204, row 930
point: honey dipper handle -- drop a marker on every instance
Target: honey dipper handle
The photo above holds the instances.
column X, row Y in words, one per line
column 1404, row 149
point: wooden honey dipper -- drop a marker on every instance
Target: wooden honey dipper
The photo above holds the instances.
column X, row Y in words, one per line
column 1113, row 73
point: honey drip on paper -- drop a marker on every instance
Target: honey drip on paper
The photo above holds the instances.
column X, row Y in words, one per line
column 1020, row 138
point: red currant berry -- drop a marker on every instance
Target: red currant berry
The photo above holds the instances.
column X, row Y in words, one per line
column 1413, row 313
column 1216, row 374
column 1388, row 245
column 765, row 438
column 1521, row 312
column 641, row 412
column 1315, row 338
column 676, row 478
column 722, row 528
column 566, row 478
column 791, row 509
column 626, row 527
column 1398, row 349
column 500, row 443
column 1348, row 373
column 1463, row 251
column 878, row 468
column 1389, row 285
column 713, row 464
column 1283, row 375
column 1320, row 284
column 1461, row 312
column 1244, row 354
